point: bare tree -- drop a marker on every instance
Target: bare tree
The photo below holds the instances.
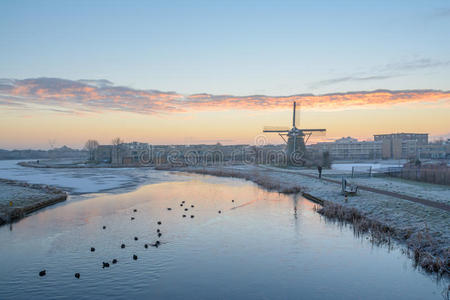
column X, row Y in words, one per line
column 91, row 146
column 116, row 141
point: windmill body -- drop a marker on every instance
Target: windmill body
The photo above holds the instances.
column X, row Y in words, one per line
column 295, row 142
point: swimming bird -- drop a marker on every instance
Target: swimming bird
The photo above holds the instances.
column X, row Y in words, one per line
column 145, row 246
column 105, row 265
column 42, row 273
column 132, row 218
column 169, row 208
column 77, row 275
column 114, row 261
column 134, row 256
column 122, row 246
column 184, row 216
column 220, row 211
column 158, row 230
column 181, row 204
column 192, row 216
column 185, row 209
column 159, row 222
column 104, row 227
column 183, row 201
column 192, row 205
column 135, row 210
column 92, row 249
column 232, row 200
column 159, row 234
column 135, row 238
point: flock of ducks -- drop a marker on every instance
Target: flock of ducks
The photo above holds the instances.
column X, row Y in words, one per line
column 122, row 246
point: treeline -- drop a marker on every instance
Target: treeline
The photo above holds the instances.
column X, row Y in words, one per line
column 63, row 152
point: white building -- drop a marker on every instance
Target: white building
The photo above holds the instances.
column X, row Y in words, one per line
column 348, row 149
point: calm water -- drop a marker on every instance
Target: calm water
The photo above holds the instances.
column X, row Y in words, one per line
column 257, row 248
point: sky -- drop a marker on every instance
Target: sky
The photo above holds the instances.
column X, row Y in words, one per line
column 171, row 72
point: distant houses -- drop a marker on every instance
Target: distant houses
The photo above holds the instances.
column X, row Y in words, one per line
column 143, row 154
column 384, row 146
column 124, row 154
column 388, row 146
column 348, row 149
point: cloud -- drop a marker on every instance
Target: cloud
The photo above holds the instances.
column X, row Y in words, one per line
column 95, row 96
column 383, row 72
column 96, row 82
column 350, row 78
column 417, row 64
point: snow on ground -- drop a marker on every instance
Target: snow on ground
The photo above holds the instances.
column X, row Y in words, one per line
column 428, row 191
column 20, row 195
column 374, row 165
column 82, row 180
column 17, row 198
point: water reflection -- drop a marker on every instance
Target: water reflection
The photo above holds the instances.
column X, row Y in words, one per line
column 262, row 245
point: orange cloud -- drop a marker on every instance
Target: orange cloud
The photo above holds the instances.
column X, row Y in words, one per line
column 99, row 95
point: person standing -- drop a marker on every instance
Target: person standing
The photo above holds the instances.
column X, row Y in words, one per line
column 319, row 168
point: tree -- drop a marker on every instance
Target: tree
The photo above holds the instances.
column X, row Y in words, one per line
column 91, row 146
column 116, row 141
column 326, row 160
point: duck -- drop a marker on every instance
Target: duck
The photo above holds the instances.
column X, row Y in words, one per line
column 132, row 218
column 159, row 223
column 185, row 209
column 122, row 246
column 158, row 230
column 105, row 265
column 169, row 208
column 77, row 275
column 134, row 210
column 192, row 216
column 220, row 211
column 114, row 261
column 192, row 205
column 42, row 273
column 159, row 234
column 135, row 238
column 92, row 249
column 104, row 227
column 145, row 246
column 184, row 216
column 135, row 257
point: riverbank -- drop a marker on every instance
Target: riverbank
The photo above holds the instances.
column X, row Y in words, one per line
column 423, row 230
column 53, row 164
column 18, row 199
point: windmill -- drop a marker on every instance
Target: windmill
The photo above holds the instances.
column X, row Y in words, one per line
column 295, row 142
